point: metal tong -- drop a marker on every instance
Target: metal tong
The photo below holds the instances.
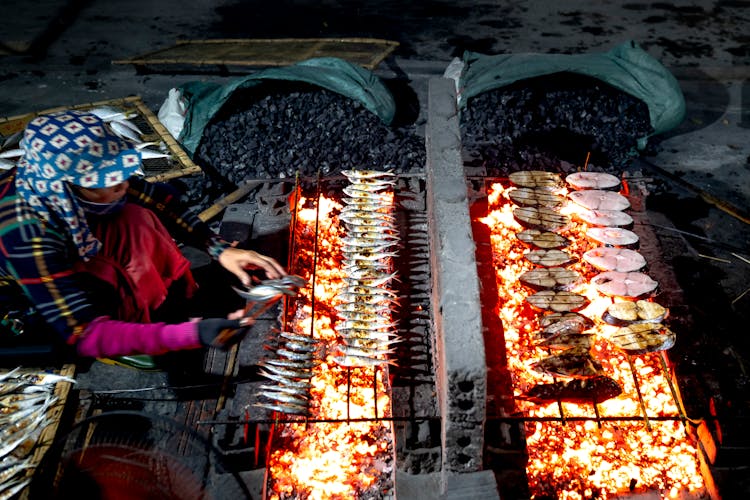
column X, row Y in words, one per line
column 262, row 296
column 259, row 299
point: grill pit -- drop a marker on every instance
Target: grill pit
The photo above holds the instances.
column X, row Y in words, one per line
column 468, row 431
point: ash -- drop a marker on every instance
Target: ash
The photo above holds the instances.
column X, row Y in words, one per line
column 276, row 129
column 551, row 123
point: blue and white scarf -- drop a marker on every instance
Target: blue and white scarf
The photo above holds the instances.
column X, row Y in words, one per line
column 64, row 148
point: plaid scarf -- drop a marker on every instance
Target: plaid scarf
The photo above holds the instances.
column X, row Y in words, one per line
column 64, row 148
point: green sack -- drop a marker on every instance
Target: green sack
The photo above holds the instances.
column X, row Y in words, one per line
column 626, row 67
column 204, row 99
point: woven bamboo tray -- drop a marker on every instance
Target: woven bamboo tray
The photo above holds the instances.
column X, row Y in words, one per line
column 158, row 169
column 366, row 52
column 54, row 416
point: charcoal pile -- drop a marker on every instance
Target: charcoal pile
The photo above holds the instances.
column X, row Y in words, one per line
column 551, row 123
column 273, row 131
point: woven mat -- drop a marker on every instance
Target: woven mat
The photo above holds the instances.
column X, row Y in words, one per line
column 366, row 52
column 178, row 164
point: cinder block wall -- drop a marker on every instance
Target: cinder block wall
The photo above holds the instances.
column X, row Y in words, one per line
column 459, row 357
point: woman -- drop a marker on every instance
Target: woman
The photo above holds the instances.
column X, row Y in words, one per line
column 86, row 241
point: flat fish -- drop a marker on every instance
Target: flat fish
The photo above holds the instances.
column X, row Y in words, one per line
column 615, row 259
column 530, row 197
column 612, row 236
column 605, row 218
column 592, row 180
column 597, row 199
column 568, row 340
column 546, row 240
column 557, row 301
column 641, row 338
column 549, row 258
column 558, row 323
column 574, row 364
column 535, row 179
column 579, row 391
column 554, row 278
column 641, row 311
column 618, row 284
column 540, row 218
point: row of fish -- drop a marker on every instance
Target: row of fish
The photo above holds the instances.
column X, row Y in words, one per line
column 26, row 398
column 563, row 331
column 364, row 304
column 288, row 371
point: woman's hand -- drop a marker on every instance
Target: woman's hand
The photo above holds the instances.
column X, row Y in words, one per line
column 236, row 260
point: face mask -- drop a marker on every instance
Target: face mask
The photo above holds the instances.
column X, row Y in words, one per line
column 92, row 208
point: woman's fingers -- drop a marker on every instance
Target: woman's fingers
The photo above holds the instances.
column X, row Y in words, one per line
column 236, row 260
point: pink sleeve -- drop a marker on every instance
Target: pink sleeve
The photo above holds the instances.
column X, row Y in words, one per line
column 104, row 337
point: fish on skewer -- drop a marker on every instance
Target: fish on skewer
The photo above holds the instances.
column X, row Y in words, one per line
column 568, row 341
column 573, row 363
column 592, row 180
column 624, row 313
column 613, row 236
column 367, row 174
column 579, row 391
column 615, row 259
column 545, row 240
column 642, row 338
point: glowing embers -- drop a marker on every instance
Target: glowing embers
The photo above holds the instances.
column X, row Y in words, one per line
column 610, row 427
column 344, row 450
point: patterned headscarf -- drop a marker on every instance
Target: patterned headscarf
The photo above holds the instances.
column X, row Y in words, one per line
column 71, row 147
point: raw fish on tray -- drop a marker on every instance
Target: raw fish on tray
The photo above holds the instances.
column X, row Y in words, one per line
column 592, row 180
column 615, row 259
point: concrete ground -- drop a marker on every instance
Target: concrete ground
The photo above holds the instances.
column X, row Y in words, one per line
column 60, row 52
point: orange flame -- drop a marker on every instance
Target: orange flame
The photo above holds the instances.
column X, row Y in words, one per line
column 329, row 460
column 588, row 459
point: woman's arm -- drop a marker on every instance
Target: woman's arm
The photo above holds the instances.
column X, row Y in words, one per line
column 188, row 228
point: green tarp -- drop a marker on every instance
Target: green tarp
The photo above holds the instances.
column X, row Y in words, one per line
column 626, row 67
column 204, row 99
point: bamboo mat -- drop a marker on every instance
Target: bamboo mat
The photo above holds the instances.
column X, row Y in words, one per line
column 177, row 164
column 366, row 52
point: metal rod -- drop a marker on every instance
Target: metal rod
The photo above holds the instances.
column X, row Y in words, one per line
column 315, row 255
column 596, row 412
column 348, row 391
column 375, row 389
column 638, row 391
column 292, row 245
column 301, row 420
column 676, row 398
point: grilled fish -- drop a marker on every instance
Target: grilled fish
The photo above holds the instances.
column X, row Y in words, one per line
column 580, row 391
column 573, row 364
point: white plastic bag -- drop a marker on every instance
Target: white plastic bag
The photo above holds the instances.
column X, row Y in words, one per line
column 172, row 113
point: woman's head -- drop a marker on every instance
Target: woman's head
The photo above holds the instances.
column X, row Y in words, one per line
column 77, row 147
column 74, row 164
